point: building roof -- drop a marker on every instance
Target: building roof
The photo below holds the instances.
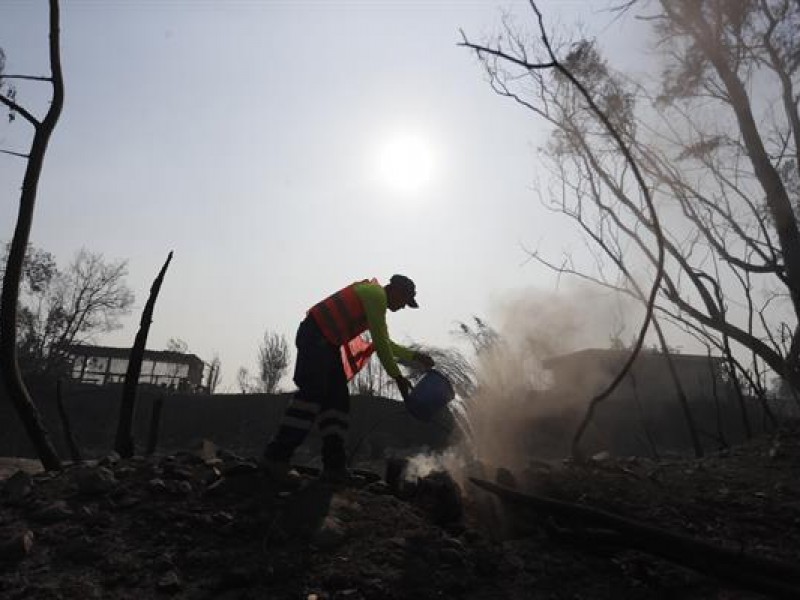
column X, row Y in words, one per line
column 609, row 355
column 111, row 352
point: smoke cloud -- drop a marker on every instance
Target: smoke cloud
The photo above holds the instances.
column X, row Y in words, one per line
column 512, row 381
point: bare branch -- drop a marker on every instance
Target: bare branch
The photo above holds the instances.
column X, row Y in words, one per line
column 12, row 153
column 27, row 77
column 500, row 54
column 18, row 109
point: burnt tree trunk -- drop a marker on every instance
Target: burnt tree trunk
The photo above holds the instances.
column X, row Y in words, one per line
column 155, row 425
column 124, row 444
column 69, row 437
column 9, row 360
column 691, row 427
column 775, row 578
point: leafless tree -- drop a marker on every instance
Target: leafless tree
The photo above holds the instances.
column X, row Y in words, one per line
column 273, row 360
column 42, row 131
column 372, row 380
column 480, row 335
column 60, row 308
column 589, row 98
column 244, row 380
column 721, row 165
column 177, row 345
column 214, row 373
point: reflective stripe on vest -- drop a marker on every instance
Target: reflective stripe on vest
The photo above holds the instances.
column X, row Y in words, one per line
column 341, row 316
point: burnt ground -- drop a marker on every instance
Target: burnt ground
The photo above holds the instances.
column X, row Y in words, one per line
column 213, row 525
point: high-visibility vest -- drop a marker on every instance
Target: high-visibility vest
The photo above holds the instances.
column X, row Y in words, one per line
column 342, row 319
column 340, row 316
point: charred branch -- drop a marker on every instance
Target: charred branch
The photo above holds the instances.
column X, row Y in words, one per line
column 124, row 443
column 749, row 571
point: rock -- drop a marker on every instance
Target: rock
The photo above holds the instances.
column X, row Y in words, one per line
column 235, row 577
column 18, row 486
column 169, row 582
column 505, row 478
column 87, row 512
column 164, row 562
column 776, row 451
column 379, row 488
column 17, row 546
column 441, row 498
column 399, row 542
column 367, row 475
column 222, row 517
column 239, row 468
column 157, row 485
column 127, row 501
column 451, row 556
column 109, row 460
column 179, row 488
column 178, row 471
column 217, row 488
column 94, row 480
column 124, row 472
column 456, row 544
column 81, row 550
column 226, row 455
column 330, row 534
column 188, row 458
column 53, row 512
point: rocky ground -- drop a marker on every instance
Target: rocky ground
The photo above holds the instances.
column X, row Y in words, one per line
column 213, row 525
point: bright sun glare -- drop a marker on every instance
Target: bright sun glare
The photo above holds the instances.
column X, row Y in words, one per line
column 405, row 163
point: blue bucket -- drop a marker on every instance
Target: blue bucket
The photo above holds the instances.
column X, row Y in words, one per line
column 430, row 395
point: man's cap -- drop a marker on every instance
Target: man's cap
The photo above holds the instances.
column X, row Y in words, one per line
column 407, row 286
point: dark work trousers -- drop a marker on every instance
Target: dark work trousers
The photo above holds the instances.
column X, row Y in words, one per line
column 322, row 396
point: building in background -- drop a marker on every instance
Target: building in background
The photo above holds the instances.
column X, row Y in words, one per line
column 588, row 372
column 101, row 365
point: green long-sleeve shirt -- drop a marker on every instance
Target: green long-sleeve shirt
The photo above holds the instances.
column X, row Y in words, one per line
column 373, row 297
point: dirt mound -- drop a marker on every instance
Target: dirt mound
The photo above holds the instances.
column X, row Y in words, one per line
column 183, row 526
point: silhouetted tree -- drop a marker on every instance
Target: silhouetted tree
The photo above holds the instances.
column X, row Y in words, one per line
column 43, row 129
column 715, row 142
column 372, row 380
column 61, row 308
column 480, row 335
column 214, row 373
column 244, row 380
column 601, row 108
column 177, row 345
column 273, row 360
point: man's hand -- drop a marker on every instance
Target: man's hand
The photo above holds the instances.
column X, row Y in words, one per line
column 404, row 386
column 423, row 359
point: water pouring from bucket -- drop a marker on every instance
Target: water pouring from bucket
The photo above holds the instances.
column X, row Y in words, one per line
column 430, row 395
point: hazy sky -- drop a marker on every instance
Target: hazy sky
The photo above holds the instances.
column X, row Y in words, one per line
column 265, row 143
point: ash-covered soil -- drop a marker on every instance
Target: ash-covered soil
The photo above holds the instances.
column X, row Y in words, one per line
column 199, row 526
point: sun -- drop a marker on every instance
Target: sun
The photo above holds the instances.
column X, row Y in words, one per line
column 405, row 163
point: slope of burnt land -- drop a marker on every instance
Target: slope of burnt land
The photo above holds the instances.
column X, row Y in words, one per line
column 192, row 526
